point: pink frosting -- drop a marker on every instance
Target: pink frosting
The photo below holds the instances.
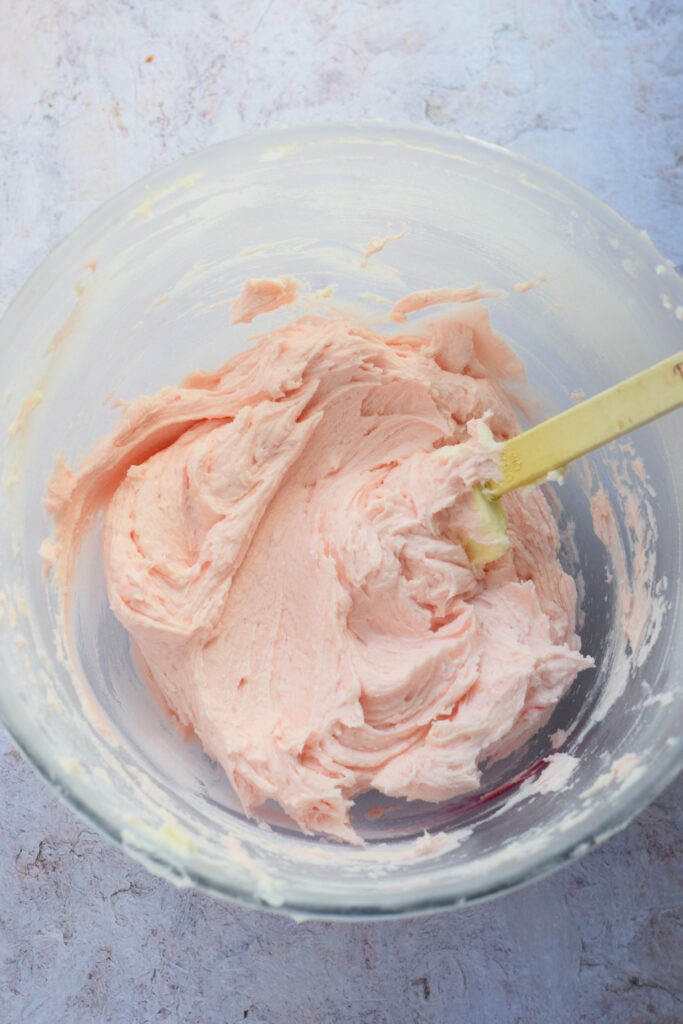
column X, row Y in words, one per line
column 281, row 540
column 263, row 295
column 437, row 296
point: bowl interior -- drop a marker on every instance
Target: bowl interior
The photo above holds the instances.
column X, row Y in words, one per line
column 139, row 296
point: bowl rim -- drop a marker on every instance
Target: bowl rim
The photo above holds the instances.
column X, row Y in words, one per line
column 446, row 143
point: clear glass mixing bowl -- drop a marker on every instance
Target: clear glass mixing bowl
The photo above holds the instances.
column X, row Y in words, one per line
column 138, row 296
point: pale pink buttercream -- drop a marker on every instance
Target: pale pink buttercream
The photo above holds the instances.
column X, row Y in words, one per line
column 263, row 295
column 417, row 301
column 281, row 540
column 378, row 242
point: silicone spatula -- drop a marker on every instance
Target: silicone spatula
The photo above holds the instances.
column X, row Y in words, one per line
column 546, row 448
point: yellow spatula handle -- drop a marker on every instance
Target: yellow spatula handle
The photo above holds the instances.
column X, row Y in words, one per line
column 551, row 445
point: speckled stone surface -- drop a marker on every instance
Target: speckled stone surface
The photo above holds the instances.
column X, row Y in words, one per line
column 592, row 87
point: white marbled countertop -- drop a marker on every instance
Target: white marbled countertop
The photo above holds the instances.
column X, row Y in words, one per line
column 593, row 88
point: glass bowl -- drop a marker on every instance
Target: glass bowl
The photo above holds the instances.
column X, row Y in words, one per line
column 139, row 296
